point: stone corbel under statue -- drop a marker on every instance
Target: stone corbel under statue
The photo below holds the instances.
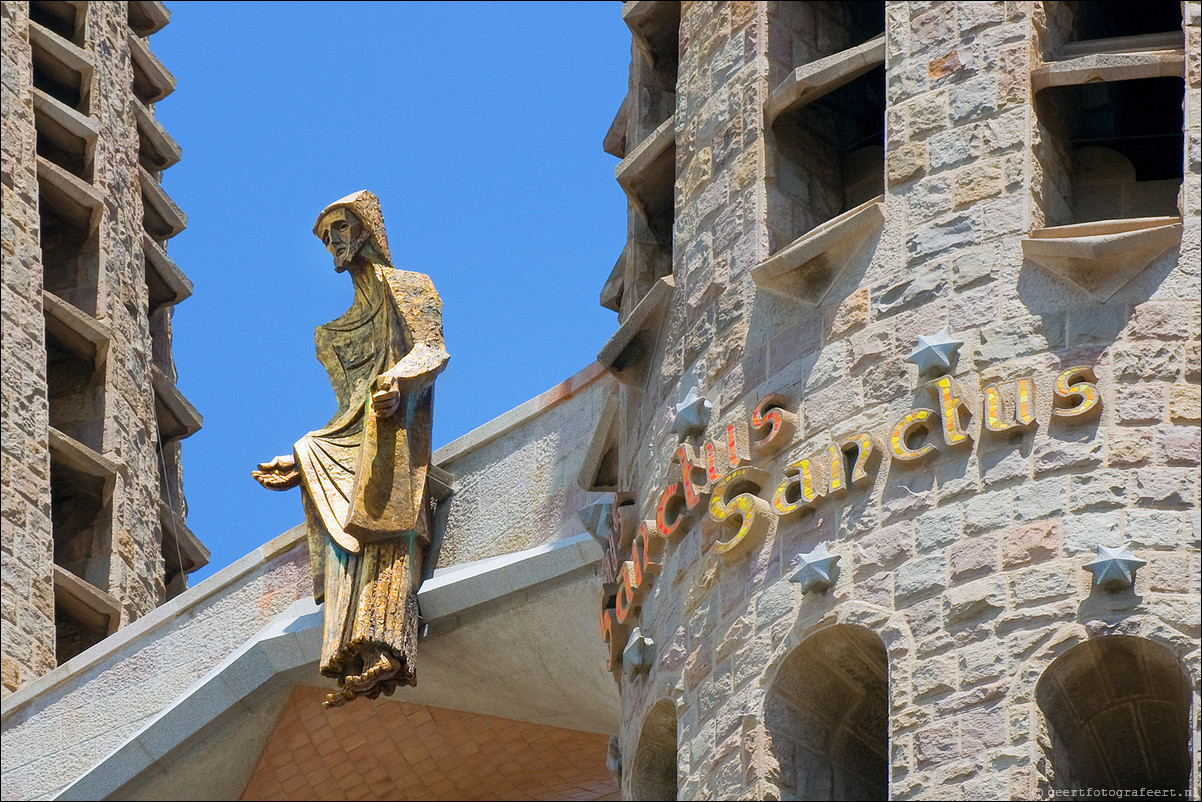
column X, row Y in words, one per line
column 364, row 475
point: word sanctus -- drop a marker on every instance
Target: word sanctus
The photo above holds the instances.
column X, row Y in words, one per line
column 720, row 485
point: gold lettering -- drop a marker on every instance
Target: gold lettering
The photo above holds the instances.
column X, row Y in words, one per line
column 781, row 424
column 799, row 474
column 736, row 453
column 1086, row 390
column 754, row 514
column 996, row 419
column 951, row 406
column 864, row 451
column 693, row 492
column 664, row 509
column 898, row 440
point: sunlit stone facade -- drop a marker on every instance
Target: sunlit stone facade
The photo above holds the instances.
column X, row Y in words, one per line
column 905, row 460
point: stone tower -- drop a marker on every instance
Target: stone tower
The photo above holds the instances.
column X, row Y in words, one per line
column 905, row 461
column 93, row 507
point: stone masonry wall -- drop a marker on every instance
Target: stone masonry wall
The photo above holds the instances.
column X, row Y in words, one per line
column 967, row 565
column 125, row 560
column 25, row 539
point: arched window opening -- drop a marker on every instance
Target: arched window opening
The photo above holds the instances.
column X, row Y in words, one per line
column 827, row 713
column 1117, row 710
column 653, row 770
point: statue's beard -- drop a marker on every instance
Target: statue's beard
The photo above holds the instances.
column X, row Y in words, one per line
column 341, row 263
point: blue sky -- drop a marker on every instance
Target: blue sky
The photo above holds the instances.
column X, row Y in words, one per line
column 478, row 125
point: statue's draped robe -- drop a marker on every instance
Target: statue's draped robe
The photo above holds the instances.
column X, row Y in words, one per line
column 364, row 476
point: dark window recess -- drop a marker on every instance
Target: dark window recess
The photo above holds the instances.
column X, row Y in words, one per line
column 1121, row 145
column 830, row 156
column 77, row 511
column 867, row 21
column 59, row 17
column 653, row 769
column 58, row 81
column 70, row 258
column 1107, row 20
column 801, row 33
column 827, row 714
column 75, row 391
column 660, row 29
column 73, row 636
column 1118, row 715
column 63, row 148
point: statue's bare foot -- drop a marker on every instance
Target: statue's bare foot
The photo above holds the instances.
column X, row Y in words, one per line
column 339, row 698
column 384, row 667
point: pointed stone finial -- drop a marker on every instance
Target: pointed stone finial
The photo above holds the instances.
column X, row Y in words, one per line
column 638, row 654
column 1114, row 569
column 692, row 414
column 816, row 569
column 935, row 353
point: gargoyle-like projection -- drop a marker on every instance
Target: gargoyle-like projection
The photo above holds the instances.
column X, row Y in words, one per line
column 363, row 474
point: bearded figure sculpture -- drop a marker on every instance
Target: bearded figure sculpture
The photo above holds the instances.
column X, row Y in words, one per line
column 363, row 475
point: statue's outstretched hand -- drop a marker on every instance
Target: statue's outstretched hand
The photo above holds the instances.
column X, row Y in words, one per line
column 279, row 474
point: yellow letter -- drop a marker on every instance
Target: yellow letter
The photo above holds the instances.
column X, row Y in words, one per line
column 753, row 511
column 800, row 474
column 950, row 405
column 996, row 419
column 1090, row 403
column 901, row 432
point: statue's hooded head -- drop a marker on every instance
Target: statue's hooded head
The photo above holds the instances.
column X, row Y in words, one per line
column 349, row 225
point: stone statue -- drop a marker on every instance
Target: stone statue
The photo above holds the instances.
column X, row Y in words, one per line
column 363, row 475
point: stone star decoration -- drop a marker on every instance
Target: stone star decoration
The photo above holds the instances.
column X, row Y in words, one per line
column 692, row 414
column 816, row 570
column 934, row 353
column 1114, row 569
column 638, row 654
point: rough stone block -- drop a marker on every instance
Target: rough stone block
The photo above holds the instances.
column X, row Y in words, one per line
column 973, row 557
column 1139, row 403
column 1040, row 584
column 851, row 315
column 884, row 548
column 1165, row 320
column 1097, row 490
column 987, row 511
column 1002, row 464
column 1169, row 573
column 1178, row 445
column 906, row 163
column 1164, row 487
column 1185, row 403
column 984, row 662
column 975, row 601
column 936, row 675
column 919, row 578
column 977, row 182
column 1032, row 543
column 1064, row 449
column 1128, row 447
column 935, row 744
column 982, row 732
column 869, row 346
column 975, row 266
column 933, row 239
column 938, row 528
column 974, row 98
column 1096, row 324
column 1155, row 529
column 1143, row 361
